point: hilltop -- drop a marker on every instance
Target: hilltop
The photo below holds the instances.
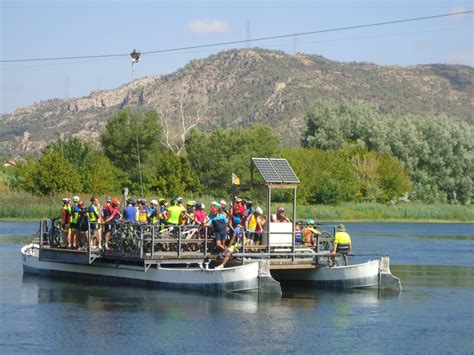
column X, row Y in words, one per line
column 247, row 86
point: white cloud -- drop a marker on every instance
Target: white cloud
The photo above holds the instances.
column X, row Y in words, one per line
column 208, row 26
column 465, row 57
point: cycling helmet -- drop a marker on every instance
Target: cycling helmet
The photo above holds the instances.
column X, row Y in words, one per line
column 108, row 199
column 115, row 202
column 223, row 203
column 154, row 202
column 66, row 199
column 191, row 203
column 310, row 221
column 216, row 204
column 143, row 201
column 258, row 210
column 203, row 206
column 238, row 199
column 76, row 198
column 280, row 209
column 236, row 220
column 179, row 199
column 133, row 200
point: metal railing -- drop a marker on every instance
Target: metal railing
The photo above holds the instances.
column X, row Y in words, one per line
column 154, row 241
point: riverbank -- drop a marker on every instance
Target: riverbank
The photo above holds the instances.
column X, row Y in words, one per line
column 16, row 206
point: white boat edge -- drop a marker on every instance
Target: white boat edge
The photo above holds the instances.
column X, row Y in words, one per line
column 253, row 276
column 373, row 273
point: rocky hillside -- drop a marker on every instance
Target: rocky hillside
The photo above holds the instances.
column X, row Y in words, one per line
column 242, row 87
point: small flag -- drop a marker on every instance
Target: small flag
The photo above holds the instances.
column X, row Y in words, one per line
column 235, row 179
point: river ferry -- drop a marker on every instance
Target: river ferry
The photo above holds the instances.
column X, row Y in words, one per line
column 183, row 256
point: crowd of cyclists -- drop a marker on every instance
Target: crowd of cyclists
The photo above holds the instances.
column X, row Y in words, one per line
column 231, row 225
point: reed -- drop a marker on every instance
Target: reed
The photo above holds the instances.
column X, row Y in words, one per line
column 22, row 205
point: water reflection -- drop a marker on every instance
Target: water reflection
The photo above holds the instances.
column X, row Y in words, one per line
column 431, row 276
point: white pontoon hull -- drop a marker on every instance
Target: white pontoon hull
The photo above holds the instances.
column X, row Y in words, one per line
column 352, row 276
column 240, row 278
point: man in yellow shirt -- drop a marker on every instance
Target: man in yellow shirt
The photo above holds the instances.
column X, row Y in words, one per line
column 342, row 243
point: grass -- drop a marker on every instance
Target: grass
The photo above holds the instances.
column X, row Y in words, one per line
column 24, row 206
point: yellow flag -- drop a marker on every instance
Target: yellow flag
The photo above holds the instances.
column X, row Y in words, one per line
column 235, row 179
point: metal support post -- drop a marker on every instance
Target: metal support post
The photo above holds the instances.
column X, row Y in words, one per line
column 153, row 241
column 293, row 222
column 179, row 241
column 205, row 242
column 141, row 241
column 269, row 217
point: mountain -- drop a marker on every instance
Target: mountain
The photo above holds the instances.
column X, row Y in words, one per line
column 246, row 86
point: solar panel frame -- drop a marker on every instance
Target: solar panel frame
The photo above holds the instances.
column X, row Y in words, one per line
column 285, row 171
column 267, row 170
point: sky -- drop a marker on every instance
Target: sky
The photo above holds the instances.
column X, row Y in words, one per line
column 43, row 29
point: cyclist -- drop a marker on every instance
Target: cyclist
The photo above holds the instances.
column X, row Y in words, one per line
column 280, row 215
column 84, row 224
column 188, row 216
column 130, row 213
column 142, row 211
column 175, row 211
column 309, row 232
column 254, row 226
column 114, row 216
column 248, row 208
column 66, row 221
column 235, row 242
column 218, row 222
column 153, row 212
column 75, row 223
column 106, row 211
column 163, row 214
column 200, row 216
column 94, row 219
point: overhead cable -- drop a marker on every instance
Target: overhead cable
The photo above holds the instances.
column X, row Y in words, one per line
column 259, row 39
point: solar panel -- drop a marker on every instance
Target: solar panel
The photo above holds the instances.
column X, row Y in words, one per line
column 266, row 169
column 285, row 171
column 275, row 170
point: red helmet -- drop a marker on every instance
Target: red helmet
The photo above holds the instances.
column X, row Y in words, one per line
column 280, row 209
column 115, row 202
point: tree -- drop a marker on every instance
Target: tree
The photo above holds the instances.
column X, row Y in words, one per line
column 436, row 151
column 52, row 173
column 325, row 176
column 215, row 156
column 128, row 132
column 128, row 136
column 393, row 179
column 96, row 172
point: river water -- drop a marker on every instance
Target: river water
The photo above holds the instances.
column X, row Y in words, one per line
column 433, row 314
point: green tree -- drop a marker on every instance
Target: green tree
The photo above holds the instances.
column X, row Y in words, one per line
column 325, row 176
column 52, row 173
column 129, row 135
column 393, row 179
column 215, row 156
column 436, row 152
column 97, row 173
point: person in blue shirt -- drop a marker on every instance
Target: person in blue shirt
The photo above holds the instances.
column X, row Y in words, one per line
column 218, row 221
column 236, row 241
column 130, row 213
